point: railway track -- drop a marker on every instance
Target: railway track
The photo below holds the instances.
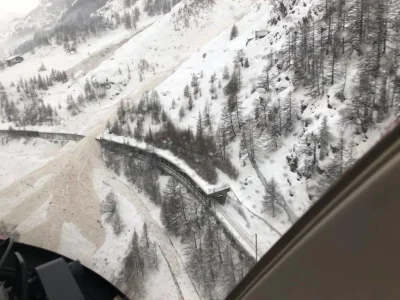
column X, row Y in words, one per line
column 239, row 232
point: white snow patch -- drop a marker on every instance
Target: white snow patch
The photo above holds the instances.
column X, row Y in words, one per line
column 9, row 203
column 74, row 245
column 35, row 219
column 21, row 157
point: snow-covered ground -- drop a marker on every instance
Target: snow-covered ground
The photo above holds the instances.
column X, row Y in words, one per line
column 135, row 209
column 59, row 189
column 21, row 157
column 248, row 211
column 54, row 56
column 210, row 58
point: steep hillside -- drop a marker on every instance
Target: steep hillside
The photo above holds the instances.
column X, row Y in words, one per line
column 290, row 111
column 83, row 104
column 276, row 99
column 45, row 15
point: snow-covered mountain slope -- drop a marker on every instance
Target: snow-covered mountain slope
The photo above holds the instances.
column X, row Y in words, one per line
column 292, row 126
column 45, row 15
column 54, row 57
column 157, row 50
column 274, row 98
column 144, row 55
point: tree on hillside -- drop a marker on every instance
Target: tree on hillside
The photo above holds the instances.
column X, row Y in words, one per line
column 148, row 250
column 109, row 204
column 173, row 210
column 145, row 240
column 240, row 58
column 213, row 89
column 383, row 103
column 225, row 74
column 199, row 127
column 261, row 108
column 289, row 114
column 234, row 32
column 190, row 103
column 273, row 197
column 41, row 83
column 324, row 137
column 229, row 267
column 186, row 91
column 164, row 116
column 42, row 68
column 117, row 19
column 309, row 146
column 249, row 138
column 264, row 80
column 136, row 13
column 71, row 105
column 228, row 123
column 66, row 47
column 232, row 90
column 89, row 92
column 207, row 116
column 127, row 20
column 151, row 184
column 272, row 138
column 335, row 168
column 133, row 262
column 109, row 207
column 222, row 142
column 194, row 83
column 181, row 112
column 213, row 77
column 117, row 224
column 272, row 135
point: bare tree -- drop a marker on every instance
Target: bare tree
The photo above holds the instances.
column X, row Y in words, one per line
column 264, row 80
column 117, row 223
column 324, row 138
column 249, row 138
column 273, row 198
column 234, row 32
column 109, row 205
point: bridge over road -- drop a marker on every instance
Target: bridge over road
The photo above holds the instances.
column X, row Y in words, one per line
column 207, row 195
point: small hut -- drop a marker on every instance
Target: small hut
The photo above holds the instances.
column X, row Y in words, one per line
column 13, row 60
